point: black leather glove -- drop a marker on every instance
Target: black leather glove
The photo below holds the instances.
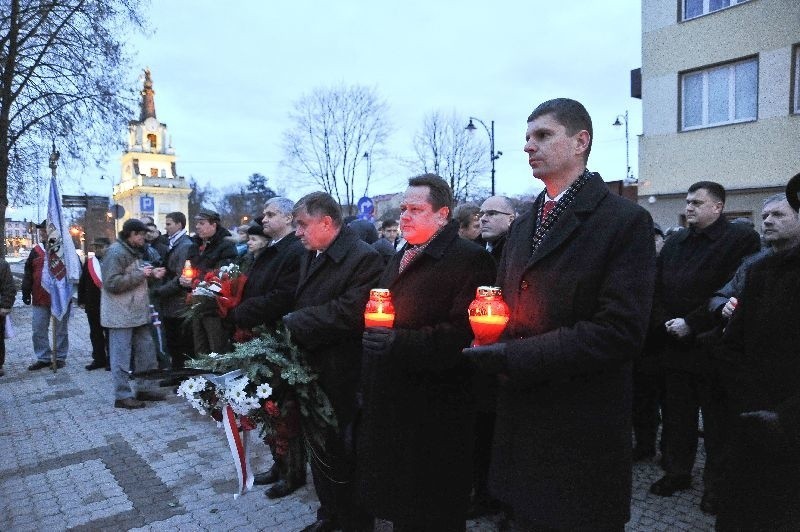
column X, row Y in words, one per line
column 378, row 341
column 489, row 359
column 26, row 298
column 763, row 428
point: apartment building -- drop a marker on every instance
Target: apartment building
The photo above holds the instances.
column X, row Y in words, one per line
column 720, row 89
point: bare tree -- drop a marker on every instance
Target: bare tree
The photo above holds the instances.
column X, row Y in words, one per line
column 444, row 147
column 62, row 70
column 333, row 128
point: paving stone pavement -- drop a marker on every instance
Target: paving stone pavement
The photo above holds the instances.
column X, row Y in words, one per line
column 71, row 461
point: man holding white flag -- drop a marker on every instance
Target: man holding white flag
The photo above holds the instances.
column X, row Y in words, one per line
column 55, row 271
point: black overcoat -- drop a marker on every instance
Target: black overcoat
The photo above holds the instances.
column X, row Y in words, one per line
column 692, row 265
column 579, row 312
column 762, row 342
column 328, row 315
column 415, row 440
column 271, row 282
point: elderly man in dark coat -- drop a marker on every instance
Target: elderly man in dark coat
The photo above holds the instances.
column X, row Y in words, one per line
column 336, row 275
column 578, row 274
column 761, row 488
column 415, row 440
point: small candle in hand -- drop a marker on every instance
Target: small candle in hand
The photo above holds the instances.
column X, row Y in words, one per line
column 380, row 310
column 488, row 315
column 187, row 271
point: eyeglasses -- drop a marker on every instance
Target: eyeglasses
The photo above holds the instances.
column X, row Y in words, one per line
column 491, row 213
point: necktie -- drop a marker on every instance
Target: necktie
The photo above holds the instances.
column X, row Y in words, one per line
column 549, row 205
column 408, row 256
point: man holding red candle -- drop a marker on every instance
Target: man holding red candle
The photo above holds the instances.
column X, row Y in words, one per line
column 415, row 440
column 578, row 275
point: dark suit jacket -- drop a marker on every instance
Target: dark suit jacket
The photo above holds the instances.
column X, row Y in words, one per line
column 579, row 313
column 328, row 315
column 691, row 266
column 416, row 431
column 271, row 284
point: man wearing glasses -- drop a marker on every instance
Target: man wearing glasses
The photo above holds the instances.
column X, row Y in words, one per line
column 496, row 215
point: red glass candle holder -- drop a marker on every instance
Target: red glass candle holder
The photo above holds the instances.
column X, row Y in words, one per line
column 488, row 315
column 380, row 310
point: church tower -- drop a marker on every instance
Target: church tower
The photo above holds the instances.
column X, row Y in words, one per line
column 149, row 184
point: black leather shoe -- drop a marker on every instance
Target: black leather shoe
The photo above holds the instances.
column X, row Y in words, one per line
column 320, row 525
column 708, row 504
column 130, row 403
column 667, row 485
column 269, row 477
column 282, row 488
column 95, row 365
column 149, row 396
column 38, row 365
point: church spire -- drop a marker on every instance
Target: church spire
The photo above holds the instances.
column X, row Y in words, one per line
column 148, row 102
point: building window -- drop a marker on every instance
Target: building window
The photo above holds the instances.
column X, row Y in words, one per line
column 151, row 138
column 723, row 94
column 796, row 63
column 154, row 172
column 697, row 8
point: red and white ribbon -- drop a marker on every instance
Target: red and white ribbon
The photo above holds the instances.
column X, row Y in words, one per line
column 239, row 450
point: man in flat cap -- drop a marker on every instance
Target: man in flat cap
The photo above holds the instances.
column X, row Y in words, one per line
column 213, row 251
column 90, row 286
column 125, row 311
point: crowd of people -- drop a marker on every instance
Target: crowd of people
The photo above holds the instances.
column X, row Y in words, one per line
column 609, row 335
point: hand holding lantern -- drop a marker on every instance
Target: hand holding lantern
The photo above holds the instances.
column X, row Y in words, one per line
column 488, row 315
column 380, row 310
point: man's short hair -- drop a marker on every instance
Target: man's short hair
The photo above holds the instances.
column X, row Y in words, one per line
column 569, row 113
column 388, row 223
column 285, row 205
column 714, row 189
column 178, row 218
column 439, row 192
column 780, row 196
column 465, row 214
column 320, row 204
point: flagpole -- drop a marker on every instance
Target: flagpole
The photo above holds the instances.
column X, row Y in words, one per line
column 53, row 361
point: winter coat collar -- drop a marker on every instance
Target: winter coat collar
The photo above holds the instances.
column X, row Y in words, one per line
column 586, row 201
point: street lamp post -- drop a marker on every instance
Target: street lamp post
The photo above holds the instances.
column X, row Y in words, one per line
column 493, row 155
column 628, row 176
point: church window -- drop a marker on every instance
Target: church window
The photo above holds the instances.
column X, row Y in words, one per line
column 151, row 138
column 154, row 172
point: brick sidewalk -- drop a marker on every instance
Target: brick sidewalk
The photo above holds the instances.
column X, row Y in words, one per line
column 72, row 461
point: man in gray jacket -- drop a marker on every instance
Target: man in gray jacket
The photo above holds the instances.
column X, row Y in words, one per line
column 124, row 310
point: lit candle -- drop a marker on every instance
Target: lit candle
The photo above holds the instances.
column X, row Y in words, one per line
column 488, row 315
column 380, row 310
column 187, row 271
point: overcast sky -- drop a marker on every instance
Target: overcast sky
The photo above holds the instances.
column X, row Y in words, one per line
column 226, row 75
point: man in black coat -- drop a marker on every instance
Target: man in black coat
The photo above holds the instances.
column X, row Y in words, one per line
column 336, row 275
column 213, row 250
column 268, row 294
column 415, row 438
column 761, row 488
column 577, row 274
column 89, row 290
column 693, row 263
column 171, row 295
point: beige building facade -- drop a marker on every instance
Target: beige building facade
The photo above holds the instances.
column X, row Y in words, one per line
column 720, row 83
column 149, row 183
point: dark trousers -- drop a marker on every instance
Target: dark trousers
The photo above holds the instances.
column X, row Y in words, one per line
column 484, row 432
column 761, row 488
column 648, row 389
column 684, row 394
column 179, row 341
column 98, row 335
column 334, row 481
column 2, row 341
